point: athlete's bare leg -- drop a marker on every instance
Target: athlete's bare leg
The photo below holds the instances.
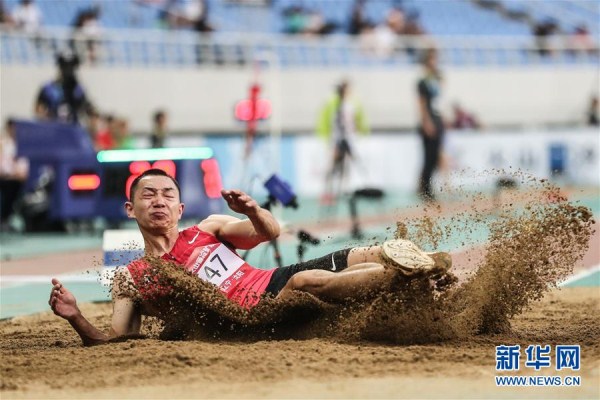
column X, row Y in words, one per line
column 360, row 255
column 356, row 281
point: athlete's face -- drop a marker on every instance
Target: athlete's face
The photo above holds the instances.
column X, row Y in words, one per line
column 156, row 205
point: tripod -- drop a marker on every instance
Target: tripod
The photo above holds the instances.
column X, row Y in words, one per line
column 305, row 238
column 366, row 193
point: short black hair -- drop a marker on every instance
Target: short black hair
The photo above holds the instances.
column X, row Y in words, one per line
column 151, row 172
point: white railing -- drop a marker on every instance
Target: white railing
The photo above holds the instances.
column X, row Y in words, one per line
column 157, row 48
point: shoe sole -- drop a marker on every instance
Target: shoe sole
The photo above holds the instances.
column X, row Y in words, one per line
column 404, row 256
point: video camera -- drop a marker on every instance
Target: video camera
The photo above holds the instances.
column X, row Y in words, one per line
column 281, row 191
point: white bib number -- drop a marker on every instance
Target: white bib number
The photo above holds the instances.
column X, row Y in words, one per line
column 220, row 265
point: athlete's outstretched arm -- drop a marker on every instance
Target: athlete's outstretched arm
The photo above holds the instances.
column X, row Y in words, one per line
column 260, row 226
column 126, row 318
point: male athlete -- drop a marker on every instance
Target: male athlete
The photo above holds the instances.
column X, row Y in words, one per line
column 206, row 250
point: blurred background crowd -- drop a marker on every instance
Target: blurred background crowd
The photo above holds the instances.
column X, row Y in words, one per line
column 157, row 73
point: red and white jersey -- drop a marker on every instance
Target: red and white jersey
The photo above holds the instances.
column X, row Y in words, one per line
column 202, row 254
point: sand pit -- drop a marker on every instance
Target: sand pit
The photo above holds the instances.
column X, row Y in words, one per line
column 43, row 358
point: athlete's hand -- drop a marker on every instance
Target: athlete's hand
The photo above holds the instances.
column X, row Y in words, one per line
column 62, row 301
column 240, row 202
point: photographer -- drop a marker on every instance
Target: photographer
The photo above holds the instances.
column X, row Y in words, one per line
column 63, row 99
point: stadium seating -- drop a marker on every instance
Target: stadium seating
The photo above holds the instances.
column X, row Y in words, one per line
column 567, row 14
column 131, row 34
column 438, row 16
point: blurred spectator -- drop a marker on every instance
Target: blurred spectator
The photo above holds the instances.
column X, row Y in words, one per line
column 167, row 14
column 412, row 27
column 592, row 113
column 396, row 21
column 197, row 13
column 385, row 39
column 192, row 14
column 159, row 132
column 339, row 121
column 86, row 33
column 358, row 21
column 13, row 173
column 381, row 40
column 431, row 126
column 27, row 16
column 581, row 40
column 63, row 99
column 121, row 134
column 298, row 20
column 412, row 24
column 318, row 25
column 5, row 17
column 295, row 20
column 104, row 138
column 463, row 119
column 543, row 32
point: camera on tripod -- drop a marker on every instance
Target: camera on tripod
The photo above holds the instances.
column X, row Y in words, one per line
column 281, row 191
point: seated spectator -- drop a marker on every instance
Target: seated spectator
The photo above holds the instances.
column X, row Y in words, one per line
column 166, row 12
column 6, row 20
column 13, row 173
column 191, row 15
column 299, row 20
column 462, row 119
column 592, row 113
column 412, row 25
column 385, row 37
column 395, row 20
column 358, row 21
column 197, row 12
column 295, row 20
column 27, row 17
column 581, row 40
column 87, row 31
column 316, row 24
column 543, row 32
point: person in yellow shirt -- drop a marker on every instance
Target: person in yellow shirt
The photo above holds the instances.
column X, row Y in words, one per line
column 339, row 121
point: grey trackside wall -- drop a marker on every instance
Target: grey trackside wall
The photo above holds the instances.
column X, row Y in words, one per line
column 202, row 100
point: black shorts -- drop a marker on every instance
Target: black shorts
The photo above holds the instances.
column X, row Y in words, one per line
column 336, row 261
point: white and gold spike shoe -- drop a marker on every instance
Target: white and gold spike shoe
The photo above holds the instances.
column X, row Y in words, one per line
column 405, row 256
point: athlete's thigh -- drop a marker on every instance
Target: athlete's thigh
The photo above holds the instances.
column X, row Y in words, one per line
column 313, row 277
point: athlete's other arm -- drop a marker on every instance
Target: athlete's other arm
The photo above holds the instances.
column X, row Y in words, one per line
column 260, row 226
column 126, row 318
